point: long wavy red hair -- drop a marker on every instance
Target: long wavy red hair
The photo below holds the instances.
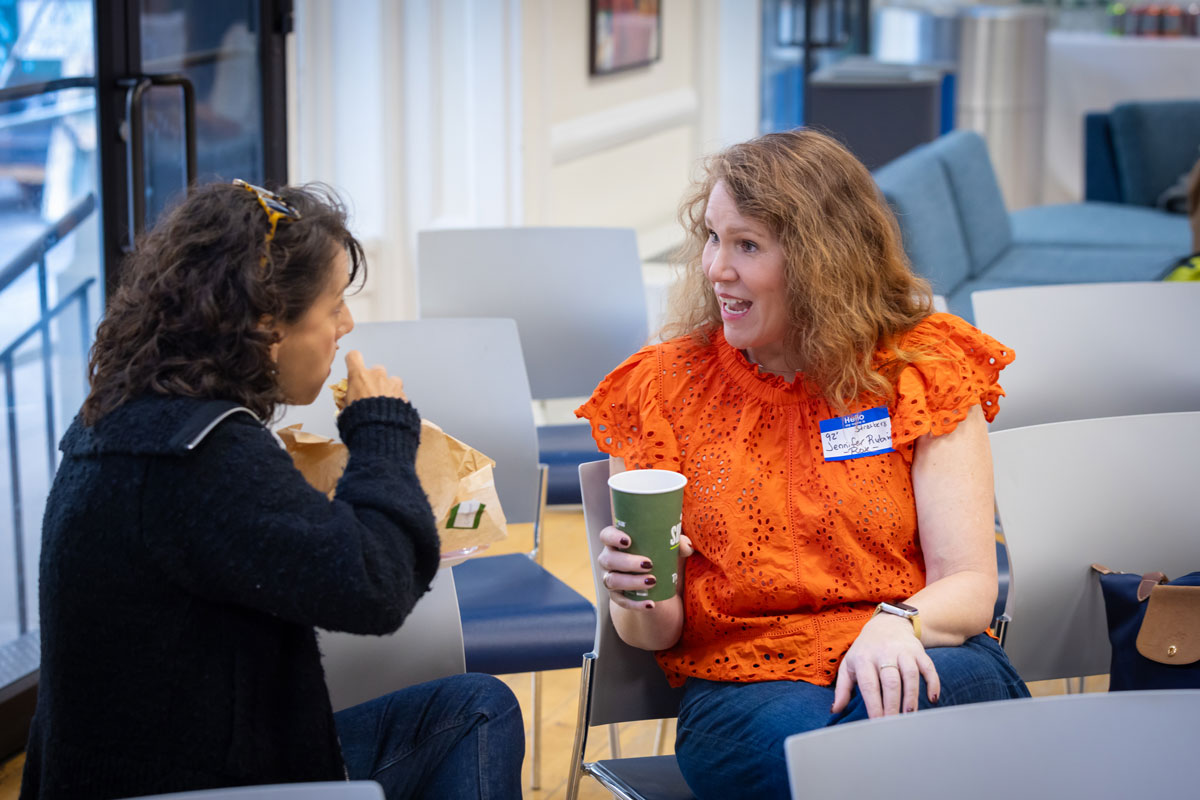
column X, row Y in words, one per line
column 850, row 289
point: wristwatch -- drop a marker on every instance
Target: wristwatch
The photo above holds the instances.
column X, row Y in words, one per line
column 902, row 610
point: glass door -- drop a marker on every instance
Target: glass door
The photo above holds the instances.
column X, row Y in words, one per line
column 108, row 109
column 196, row 90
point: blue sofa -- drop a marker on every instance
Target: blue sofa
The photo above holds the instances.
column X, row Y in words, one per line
column 1135, row 152
column 958, row 233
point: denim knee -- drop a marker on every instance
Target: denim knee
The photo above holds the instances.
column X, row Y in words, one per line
column 488, row 695
column 976, row 671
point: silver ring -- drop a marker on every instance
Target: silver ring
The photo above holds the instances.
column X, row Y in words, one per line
column 604, row 580
column 885, row 666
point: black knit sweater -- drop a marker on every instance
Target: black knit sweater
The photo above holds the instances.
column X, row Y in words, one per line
column 179, row 590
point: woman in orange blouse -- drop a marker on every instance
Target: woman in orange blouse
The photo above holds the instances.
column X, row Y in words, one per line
column 839, row 498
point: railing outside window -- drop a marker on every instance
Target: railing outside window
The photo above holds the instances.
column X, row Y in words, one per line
column 75, row 300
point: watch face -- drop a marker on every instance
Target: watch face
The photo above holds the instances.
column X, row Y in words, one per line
column 902, row 609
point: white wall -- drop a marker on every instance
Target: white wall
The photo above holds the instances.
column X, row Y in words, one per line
column 448, row 113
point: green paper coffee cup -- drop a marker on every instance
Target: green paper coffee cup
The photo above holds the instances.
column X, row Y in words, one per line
column 648, row 508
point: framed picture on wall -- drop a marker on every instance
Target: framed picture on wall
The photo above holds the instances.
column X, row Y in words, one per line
column 624, row 34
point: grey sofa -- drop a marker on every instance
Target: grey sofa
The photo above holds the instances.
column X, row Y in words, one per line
column 958, row 233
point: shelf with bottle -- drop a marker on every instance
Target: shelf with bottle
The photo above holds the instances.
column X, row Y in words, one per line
column 1154, row 20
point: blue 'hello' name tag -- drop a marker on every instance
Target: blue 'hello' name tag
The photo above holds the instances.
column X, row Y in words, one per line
column 864, row 433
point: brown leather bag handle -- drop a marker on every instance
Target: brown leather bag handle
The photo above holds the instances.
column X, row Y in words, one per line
column 1149, row 580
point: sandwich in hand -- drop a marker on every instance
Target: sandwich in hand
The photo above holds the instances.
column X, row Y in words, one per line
column 339, row 394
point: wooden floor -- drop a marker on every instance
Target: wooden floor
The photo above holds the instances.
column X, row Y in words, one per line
column 566, row 555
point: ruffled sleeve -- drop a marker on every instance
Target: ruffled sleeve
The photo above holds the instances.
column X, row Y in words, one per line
column 626, row 415
column 959, row 369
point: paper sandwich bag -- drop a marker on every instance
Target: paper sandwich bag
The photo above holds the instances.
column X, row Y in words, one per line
column 457, row 479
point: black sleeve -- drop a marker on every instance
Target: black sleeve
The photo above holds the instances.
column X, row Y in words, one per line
column 234, row 521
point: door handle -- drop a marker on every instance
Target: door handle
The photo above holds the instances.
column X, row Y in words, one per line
column 135, row 142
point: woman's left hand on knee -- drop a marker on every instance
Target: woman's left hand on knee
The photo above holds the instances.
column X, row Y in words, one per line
column 886, row 663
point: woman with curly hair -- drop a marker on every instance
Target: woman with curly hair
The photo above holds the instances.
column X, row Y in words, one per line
column 185, row 561
column 839, row 498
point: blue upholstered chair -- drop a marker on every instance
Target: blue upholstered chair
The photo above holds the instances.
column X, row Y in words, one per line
column 1136, row 151
column 958, row 233
column 579, row 301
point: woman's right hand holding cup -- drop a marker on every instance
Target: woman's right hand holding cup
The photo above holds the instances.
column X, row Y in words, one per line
column 627, row 572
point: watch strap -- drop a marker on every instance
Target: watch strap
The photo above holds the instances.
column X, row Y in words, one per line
column 914, row 617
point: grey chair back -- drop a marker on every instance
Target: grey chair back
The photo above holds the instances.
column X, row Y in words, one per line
column 577, row 295
column 619, row 683
column 1124, row 744
column 340, row 790
column 429, row 645
column 1094, row 350
column 488, row 406
column 1116, row 491
column 628, row 684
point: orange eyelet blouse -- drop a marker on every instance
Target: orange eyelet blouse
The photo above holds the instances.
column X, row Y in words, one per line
column 792, row 552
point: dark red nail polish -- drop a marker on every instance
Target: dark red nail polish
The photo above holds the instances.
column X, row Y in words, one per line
column 934, row 699
column 651, row 580
column 624, row 541
column 646, row 565
column 908, row 710
column 649, row 605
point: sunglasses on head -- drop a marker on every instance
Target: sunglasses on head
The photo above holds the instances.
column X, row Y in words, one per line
column 275, row 207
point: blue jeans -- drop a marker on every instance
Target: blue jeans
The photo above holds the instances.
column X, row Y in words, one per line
column 730, row 735
column 460, row 737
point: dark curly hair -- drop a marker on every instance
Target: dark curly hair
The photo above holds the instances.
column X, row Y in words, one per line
column 186, row 317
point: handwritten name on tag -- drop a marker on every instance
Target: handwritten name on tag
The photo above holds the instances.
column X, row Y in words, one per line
column 864, row 433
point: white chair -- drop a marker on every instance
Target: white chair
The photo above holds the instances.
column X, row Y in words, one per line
column 576, row 293
column 578, row 297
column 619, row 683
column 429, row 644
column 330, row 790
column 1118, row 491
column 1125, row 744
column 1094, row 350
column 468, row 376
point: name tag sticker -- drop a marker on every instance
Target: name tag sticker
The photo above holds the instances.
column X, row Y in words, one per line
column 865, row 433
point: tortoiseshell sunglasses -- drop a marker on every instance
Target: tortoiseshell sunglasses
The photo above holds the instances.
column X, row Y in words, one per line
column 275, row 207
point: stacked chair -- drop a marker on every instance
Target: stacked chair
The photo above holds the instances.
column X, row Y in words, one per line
column 1091, row 350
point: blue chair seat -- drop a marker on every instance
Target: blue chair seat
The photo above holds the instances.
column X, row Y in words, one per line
column 517, row 617
column 562, row 448
column 653, row 777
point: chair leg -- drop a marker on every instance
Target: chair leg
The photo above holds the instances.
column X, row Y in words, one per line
column 660, row 738
column 543, row 480
column 575, row 774
column 535, row 737
column 614, row 740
